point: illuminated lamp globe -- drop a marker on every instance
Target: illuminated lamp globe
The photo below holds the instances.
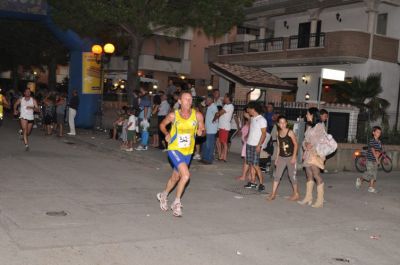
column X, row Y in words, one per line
column 96, row 49
column 109, row 48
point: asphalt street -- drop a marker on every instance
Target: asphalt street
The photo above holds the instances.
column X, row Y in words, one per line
column 82, row 201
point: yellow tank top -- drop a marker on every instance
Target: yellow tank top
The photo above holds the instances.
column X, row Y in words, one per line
column 1, row 106
column 183, row 133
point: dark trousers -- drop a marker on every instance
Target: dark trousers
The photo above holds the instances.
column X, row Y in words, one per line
column 208, row 148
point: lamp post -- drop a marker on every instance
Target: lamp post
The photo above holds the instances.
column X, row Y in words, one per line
column 102, row 55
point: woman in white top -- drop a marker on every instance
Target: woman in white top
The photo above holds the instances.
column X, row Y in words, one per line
column 28, row 106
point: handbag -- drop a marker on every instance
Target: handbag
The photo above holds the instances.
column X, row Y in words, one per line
column 326, row 145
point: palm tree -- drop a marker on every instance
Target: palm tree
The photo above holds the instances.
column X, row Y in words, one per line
column 364, row 94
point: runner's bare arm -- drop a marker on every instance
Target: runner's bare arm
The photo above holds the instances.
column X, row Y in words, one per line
column 262, row 139
column 16, row 105
column 163, row 125
column 200, row 120
column 35, row 106
column 6, row 104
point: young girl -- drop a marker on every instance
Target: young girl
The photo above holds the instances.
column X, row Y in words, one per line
column 245, row 132
column 286, row 158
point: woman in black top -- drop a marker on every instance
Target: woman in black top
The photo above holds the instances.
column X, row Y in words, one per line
column 286, row 158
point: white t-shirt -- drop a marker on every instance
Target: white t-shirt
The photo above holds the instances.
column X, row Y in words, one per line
column 256, row 124
column 164, row 108
column 225, row 120
column 132, row 119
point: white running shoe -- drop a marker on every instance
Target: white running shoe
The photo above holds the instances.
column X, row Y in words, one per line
column 358, row 183
column 162, row 198
column 372, row 190
column 129, row 149
column 176, row 208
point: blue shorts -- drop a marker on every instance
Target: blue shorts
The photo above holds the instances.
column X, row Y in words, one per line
column 176, row 158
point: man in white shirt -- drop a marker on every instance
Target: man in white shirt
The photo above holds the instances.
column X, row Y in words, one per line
column 211, row 132
column 224, row 126
column 163, row 111
column 255, row 140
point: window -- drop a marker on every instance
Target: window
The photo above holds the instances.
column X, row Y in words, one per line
column 382, row 24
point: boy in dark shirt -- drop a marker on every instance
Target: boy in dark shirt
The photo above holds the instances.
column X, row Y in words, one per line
column 374, row 151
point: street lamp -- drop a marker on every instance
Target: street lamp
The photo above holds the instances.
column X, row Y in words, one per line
column 102, row 55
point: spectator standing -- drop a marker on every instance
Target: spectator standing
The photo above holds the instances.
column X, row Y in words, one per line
column 218, row 100
column 192, row 89
column 144, row 115
column 72, row 111
column 211, row 131
column 255, row 140
column 49, row 111
column 163, row 111
column 313, row 163
column 176, row 101
column 269, row 116
column 171, row 89
column 60, row 113
column 245, row 133
column 131, row 130
column 154, row 131
column 324, row 116
column 224, row 117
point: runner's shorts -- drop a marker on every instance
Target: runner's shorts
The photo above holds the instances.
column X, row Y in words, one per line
column 176, row 158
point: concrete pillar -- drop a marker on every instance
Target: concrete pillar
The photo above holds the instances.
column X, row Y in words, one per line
column 314, row 17
column 186, row 49
column 372, row 11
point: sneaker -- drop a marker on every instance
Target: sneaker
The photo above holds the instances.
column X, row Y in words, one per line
column 162, row 198
column 261, row 187
column 129, row 149
column 250, row 185
column 26, row 147
column 372, row 190
column 141, row 148
column 176, row 208
column 358, row 183
column 71, row 134
column 197, row 157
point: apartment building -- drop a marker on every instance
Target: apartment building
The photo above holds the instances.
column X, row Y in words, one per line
column 294, row 39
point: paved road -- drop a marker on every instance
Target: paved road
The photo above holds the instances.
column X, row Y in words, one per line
column 113, row 217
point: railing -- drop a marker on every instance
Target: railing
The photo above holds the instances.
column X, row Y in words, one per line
column 263, row 45
column 273, row 44
column 307, row 41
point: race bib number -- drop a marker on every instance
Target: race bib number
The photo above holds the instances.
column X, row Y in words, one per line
column 184, row 140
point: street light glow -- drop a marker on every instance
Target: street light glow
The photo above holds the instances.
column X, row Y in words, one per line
column 209, row 87
column 109, row 48
column 96, row 49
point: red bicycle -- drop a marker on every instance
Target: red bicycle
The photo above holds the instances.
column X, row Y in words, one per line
column 385, row 162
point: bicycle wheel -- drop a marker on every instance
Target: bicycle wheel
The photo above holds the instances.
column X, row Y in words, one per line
column 360, row 163
column 386, row 163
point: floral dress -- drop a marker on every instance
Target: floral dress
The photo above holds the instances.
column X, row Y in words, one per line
column 313, row 136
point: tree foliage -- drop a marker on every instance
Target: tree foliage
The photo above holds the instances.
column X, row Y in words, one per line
column 130, row 22
column 364, row 94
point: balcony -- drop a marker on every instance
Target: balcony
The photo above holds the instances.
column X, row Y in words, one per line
column 322, row 48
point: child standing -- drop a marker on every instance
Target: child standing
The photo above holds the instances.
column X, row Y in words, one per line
column 286, row 158
column 374, row 151
column 245, row 132
column 124, row 135
column 131, row 130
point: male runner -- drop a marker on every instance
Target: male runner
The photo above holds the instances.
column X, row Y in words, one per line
column 186, row 122
column 28, row 106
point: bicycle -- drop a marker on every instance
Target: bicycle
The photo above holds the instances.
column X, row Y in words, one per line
column 360, row 162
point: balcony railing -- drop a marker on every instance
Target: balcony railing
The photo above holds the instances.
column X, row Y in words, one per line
column 265, row 45
column 273, row 44
column 307, row 41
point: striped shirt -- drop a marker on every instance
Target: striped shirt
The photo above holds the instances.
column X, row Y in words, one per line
column 376, row 144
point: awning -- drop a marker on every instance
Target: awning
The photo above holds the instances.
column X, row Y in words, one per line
column 249, row 76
